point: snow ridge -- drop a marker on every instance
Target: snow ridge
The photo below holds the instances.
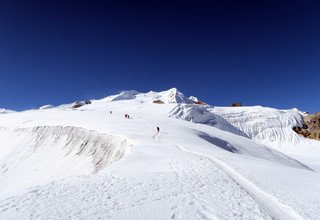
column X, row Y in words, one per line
column 67, row 151
column 174, row 96
column 46, row 107
column 5, row 111
column 125, row 95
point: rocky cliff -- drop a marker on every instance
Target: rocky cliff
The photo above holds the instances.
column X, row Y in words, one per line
column 311, row 128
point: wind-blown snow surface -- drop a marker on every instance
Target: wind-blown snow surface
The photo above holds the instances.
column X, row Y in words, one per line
column 206, row 163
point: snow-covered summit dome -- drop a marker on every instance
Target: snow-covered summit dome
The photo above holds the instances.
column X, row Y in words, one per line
column 171, row 96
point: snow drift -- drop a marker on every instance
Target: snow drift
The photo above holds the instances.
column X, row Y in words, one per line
column 44, row 153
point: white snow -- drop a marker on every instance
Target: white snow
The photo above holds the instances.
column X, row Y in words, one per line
column 193, row 98
column 273, row 128
column 46, row 107
column 44, row 153
column 206, row 163
column 171, row 96
column 4, row 111
column 126, row 95
column 200, row 114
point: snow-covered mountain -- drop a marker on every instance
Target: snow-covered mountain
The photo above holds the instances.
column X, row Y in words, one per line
column 86, row 160
column 4, row 111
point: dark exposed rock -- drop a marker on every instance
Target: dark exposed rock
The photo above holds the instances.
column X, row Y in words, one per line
column 78, row 104
column 200, row 103
column 236, row 104
column 311, row 127
column 158, row 101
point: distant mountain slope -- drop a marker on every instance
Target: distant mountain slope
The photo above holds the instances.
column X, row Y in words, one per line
column 271, row 127
column 4, row 111
column 86, row 160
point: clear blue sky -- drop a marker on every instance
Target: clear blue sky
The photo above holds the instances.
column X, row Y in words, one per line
column 223, row 51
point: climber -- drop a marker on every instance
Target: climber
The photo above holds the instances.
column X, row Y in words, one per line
column 158, row 129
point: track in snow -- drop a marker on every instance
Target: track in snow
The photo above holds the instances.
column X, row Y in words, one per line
column 192, row 188
column 269, row 203
column 212, row 188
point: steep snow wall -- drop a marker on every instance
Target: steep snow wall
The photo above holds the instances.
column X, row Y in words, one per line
column 263, row 123
column 38, row 154
column 200, row 114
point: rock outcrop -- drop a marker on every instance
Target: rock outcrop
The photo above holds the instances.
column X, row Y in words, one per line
column 236, row 104
column 311, row 128
column 199, row 102
column 158, row 101
column 78, row 104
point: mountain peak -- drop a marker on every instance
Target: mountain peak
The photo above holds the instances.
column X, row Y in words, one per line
column 173, row 95
column 170, row 96
column 173, row 90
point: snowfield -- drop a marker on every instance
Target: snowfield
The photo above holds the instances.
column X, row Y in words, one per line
column 205, row 163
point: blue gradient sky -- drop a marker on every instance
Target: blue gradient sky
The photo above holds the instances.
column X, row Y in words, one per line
column 256, row 52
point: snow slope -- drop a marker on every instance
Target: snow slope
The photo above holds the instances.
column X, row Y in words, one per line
column 273, row 128
column 43, row 153
column 206, row 163
column 4, row 111
column 46, row 107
